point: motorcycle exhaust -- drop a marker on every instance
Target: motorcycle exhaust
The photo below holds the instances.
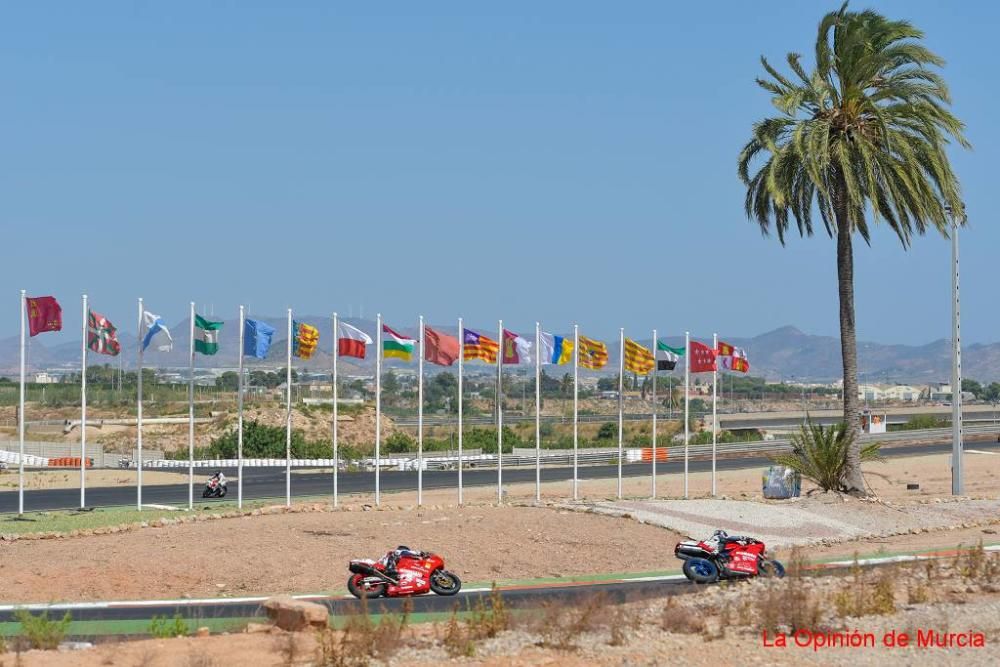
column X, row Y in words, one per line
column 369, row 571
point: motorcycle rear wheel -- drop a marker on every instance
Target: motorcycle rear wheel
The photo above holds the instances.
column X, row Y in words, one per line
column 701, row 571
column 222, row 492
column 356, row 586
column 444, row 582
column 206, row 493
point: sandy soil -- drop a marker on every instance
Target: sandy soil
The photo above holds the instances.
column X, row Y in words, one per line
column 308, row 553
column 70, row 479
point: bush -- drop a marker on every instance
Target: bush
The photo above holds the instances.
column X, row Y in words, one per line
column 400, row 442
column 820, row 454
column 41, row 632
column 163, row 628
column 607, row 431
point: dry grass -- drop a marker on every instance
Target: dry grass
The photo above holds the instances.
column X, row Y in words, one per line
column 867, row 595
column 362, row 640
column 486, row 619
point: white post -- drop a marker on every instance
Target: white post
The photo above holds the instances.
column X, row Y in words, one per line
column 138, row 416
column 621, row 405
column 957, row 481
column 655, row 362
column 420, row 417
column 83, row 408
column 576, row 411
column 461, row 359
column 687, row 405
column 538, row 413
column 288, row 417
column 500, row 412
column 239, row 414
column 191, row 414
column 715, row 384
column 378, row 406
column 20, row 414
column 336, row 453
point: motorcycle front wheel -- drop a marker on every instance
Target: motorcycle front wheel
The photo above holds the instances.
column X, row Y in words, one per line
column 222, row 492
column 444, row 582
column 771, row 568
column 701, row 571
column 357, row 587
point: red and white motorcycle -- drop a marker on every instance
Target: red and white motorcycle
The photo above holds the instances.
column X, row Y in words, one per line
column 725, row 557
column 402, row 571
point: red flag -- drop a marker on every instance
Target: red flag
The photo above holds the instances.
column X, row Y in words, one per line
column 44, row 314
column 702, row 358
column 439, row 348
column 740, row 365
column 725, row 349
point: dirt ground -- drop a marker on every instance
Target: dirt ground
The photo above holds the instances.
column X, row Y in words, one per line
column 308, row 553
column 70, row 479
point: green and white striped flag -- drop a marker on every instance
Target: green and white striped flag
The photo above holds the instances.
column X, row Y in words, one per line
column 206, row 335
column 666, row 356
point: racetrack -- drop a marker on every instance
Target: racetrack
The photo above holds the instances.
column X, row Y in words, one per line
column 265, row 483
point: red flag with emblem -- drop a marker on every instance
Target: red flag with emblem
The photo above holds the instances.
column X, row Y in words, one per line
column 702, row 358
column 44, row 314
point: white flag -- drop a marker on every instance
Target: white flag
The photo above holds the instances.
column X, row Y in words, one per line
column 154, row 329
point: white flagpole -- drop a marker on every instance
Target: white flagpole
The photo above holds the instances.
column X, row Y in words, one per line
column 461, row 359
column 83, row 409
column 655, row 362
column 20, row 416
column 288, row 417
column 336, row 453
column 715, row 430
column 500, row 412
column 138, row 417
column 420, row 417
column 576, row 401
column 621, row 405
column 191, row 414
column 538, row 413
column 239, row 415
column 687, row 378
column 378, row 406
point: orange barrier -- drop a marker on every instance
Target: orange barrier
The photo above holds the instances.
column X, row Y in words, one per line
column 69, row 462
column 647, row 454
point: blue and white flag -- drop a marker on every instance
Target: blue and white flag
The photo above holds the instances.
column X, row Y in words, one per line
column 257, row 338
column 154, row 329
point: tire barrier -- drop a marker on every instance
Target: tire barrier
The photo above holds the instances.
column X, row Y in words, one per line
column 70, row 462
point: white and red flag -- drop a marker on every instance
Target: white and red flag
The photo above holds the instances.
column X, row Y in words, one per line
column 351, row 341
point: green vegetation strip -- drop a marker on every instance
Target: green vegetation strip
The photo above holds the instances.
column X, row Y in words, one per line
column 135, row 626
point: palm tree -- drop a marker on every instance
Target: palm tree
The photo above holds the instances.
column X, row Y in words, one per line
column 865, row 133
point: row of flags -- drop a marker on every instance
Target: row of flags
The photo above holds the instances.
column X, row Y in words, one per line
column 45, row 314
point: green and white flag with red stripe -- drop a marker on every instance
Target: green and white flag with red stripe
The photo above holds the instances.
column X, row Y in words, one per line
column 206, row 335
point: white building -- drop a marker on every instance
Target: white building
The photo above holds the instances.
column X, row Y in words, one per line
column 895, row 392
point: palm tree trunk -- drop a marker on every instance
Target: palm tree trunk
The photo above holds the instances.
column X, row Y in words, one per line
column 848, row 344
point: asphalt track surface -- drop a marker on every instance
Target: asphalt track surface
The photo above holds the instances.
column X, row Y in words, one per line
column 269, row 483
column 612, row 592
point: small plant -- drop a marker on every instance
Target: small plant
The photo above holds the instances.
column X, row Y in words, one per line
column 489, row 620
column 819, row 454
column 680, row 620
column 457, row 642
column 41, row 632
column 163, row 628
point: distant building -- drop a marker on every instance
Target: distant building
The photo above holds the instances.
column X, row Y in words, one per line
column 895, row 392
column 45, row 378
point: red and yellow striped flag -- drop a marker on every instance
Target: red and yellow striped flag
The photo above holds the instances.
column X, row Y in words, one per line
column 638, row 359
column 593, row 354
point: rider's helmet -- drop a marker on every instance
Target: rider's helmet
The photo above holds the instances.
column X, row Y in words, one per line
column 720, row 534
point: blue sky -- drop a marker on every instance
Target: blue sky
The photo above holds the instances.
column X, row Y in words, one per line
column 561, row 161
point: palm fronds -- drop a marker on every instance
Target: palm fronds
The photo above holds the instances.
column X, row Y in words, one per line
column 819, row 453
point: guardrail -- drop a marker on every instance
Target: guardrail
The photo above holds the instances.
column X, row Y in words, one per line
column 548, row 457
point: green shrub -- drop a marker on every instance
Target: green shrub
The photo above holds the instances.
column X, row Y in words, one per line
column 820, row 454
column 41, row 632
column 399, row 442
column 607, row 431
column 163, row 628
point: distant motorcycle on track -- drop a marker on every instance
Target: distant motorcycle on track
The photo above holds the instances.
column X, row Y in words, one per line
column 216, row 487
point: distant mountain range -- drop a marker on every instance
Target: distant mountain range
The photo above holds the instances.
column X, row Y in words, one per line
column 785, row 353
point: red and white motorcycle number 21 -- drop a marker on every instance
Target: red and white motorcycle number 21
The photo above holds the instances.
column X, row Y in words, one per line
column 740, row 561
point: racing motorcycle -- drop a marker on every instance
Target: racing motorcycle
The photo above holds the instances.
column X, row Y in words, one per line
column 215, row 488
column 400, row 572
column 725, row 557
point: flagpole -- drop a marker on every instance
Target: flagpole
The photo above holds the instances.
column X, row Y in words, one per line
column 655, row 362
column 461, row 359
column 687, row 379
column 538, row 413
column 715, row 384
column 500, row 413
column 83, row 409
column 138, row 416
column 378, row 406
column 288, row 417
column 191, row 413
column 420, row 417
column 576, row 400
column 621, row 404
column 20, row 415
column 239, row 415
column 336, row 458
